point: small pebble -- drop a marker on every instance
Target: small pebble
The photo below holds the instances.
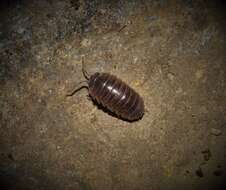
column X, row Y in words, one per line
column 152, row 18
column 203, row 110
column 216, row 132
column 179, row 90
column 171, row 76
column 50, row 91
column 199, row 74
column 93, row 119
column 86, row 42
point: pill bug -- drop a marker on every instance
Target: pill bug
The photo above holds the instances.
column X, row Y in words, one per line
column 114, row 94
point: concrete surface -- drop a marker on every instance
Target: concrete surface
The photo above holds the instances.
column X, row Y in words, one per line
column 171, row 52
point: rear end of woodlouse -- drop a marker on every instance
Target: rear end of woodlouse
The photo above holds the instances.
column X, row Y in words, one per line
column 114, row 94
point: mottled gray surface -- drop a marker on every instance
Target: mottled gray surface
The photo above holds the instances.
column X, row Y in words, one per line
column 172, row 53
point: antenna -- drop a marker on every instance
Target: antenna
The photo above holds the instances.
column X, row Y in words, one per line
column 85, row 73
column 78, row 89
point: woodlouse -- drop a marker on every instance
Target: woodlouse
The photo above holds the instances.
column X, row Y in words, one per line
column 114, row 94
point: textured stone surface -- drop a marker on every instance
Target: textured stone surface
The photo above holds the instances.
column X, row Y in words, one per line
column 173, row 54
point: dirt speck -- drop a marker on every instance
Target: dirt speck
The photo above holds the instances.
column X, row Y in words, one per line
column 206, row 154
column 218, row 173
column 199, row 172
column 216, row 132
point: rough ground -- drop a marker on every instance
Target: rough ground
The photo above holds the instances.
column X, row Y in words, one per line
column 172, row 53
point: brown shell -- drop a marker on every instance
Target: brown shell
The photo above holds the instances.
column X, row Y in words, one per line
column 116, row 96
